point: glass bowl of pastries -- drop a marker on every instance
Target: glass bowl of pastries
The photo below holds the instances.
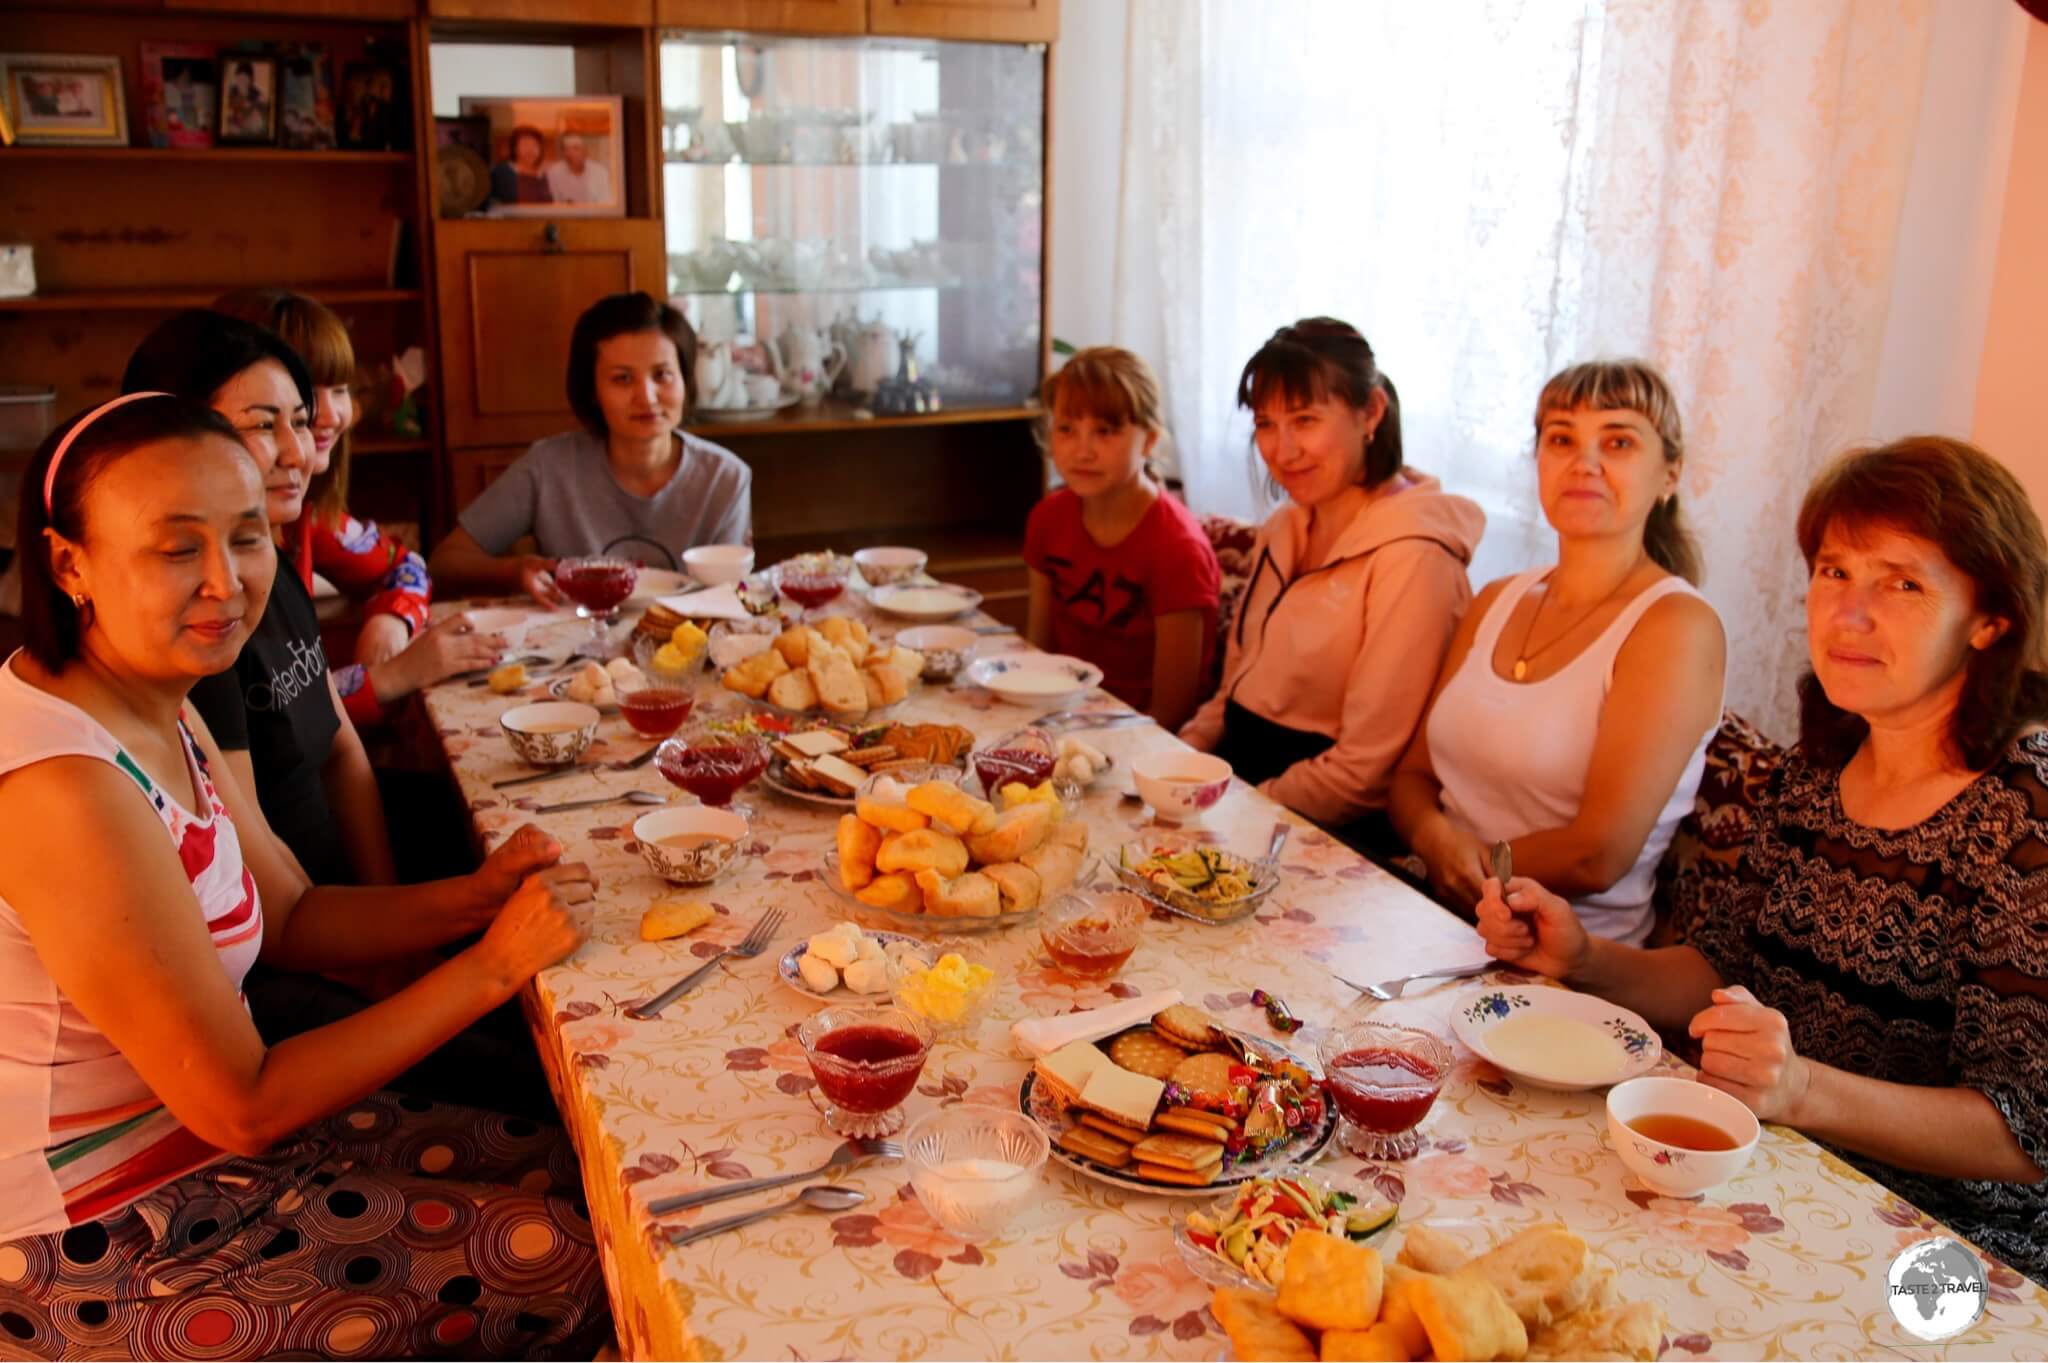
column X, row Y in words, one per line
column 829, row 667
column 1453, row 1289
column 920, row 853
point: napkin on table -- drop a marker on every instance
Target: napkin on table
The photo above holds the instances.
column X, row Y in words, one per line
column 713, row 603
column 1042, row 1036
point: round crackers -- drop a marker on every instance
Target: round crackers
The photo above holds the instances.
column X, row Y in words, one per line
column 1146, row 1052
column 1206, row 1075
column 1188, row 1027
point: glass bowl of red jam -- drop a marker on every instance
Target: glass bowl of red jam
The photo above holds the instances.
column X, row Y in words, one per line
column 1025, row 757
column 1383, row 1079
column 866, row 1060
column 711, row 763
column 655, row 707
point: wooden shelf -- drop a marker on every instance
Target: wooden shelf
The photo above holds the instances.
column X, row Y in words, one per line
column 839, row 416
column 361, row 445
column 187, row 155
column 173, row 300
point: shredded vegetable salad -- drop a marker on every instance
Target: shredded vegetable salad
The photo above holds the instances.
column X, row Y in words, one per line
column 1207, row 873
column 1252, row 1236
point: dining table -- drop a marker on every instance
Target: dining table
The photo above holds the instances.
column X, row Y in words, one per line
column 1788, row 1259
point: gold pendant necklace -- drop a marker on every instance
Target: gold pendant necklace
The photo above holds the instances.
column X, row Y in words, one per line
column 1521, row 667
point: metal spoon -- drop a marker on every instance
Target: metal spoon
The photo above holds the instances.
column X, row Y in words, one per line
column 1281, row 833
column 637, row 797
column 853, row 1152
column 822, row 1197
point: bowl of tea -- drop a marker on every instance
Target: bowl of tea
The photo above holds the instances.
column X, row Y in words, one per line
column 690, row 844
column 1090, row 934
column 1181, row 785
column 1679, row 1136
column 552, row 733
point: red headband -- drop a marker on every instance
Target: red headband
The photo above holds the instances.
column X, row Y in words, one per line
column 78, row 427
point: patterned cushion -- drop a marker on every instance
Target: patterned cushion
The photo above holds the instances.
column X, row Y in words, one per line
column 1709, row 842
column 1232, row 540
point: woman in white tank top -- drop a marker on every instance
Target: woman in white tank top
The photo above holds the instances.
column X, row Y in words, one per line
column 1572, row 714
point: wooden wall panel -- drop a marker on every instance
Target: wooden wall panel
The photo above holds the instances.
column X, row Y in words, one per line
column 508, row 303
column 982, row 21
column 309, row 9
column 610, row 13
column 810, row 17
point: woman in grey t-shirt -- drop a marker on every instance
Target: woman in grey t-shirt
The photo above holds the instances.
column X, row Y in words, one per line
column 629, row 484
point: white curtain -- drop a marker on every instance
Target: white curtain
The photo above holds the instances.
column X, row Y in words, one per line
column 1493, row 189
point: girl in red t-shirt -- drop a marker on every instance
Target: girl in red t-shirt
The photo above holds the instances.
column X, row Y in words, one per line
column 1121, row 573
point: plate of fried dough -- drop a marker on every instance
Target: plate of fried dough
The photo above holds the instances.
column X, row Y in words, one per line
column 831, row 667
column 1454, row 1290
column 920, row 854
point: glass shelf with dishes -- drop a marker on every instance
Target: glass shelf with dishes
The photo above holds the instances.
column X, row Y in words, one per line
column 855, row 222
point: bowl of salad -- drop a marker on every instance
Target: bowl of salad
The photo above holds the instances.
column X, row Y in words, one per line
column 1241, row 1241
column 1184, row 875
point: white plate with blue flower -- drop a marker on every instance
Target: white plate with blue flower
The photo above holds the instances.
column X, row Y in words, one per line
column 1555, row 1038
column 1040, row 679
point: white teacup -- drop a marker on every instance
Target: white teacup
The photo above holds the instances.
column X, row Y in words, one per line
column 763, row 390
column 1181, row 786
column 1672, row 1169
column 714, row 565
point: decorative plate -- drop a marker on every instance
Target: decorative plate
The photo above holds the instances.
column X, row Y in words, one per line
column 1578, row 1042
column 1004, row 675
column 711, row 416
column 921, row 602
column 559, row 689
column 1303, row 1148
column 786, row 968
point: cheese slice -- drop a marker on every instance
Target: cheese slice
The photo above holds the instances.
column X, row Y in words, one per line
column 1072, row 1064
column 1119, row 1093
column 818, row 742
column 838, row 772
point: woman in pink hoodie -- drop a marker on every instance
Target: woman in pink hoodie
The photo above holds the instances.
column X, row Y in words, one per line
column 1356, row 587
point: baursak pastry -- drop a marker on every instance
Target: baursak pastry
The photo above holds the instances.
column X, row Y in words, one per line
column 953, row 809
column 925, row 850
column 858, row 844
column 897, row 891
column 972, row 895
column 1018, row 830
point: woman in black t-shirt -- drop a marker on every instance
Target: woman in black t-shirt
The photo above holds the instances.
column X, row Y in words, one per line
column 275, row 713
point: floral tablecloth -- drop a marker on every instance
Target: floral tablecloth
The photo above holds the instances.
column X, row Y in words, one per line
column 1789, row 1260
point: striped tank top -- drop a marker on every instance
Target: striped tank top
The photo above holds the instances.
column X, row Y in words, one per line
column 81, row 1135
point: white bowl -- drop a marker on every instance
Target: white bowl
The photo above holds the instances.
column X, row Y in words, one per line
column 1040, row 679
column 714, row 565
column 946, row 648
column 1554, row 1038
column 550, row 733
column 1671, row 1169
column 1181, row 785
column 941, row 602
column 887, row 565
column 695, row 865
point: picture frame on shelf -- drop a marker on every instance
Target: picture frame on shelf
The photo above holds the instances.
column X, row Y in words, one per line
column 306, row 86
column 556, row 157
column 180, row 93
column 248, row 100
column 64, row 99
column 371, row 116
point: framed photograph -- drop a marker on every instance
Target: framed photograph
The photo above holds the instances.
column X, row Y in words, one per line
column 306, row 118
column 180, row 92
column 248, row 99
column 554, row 157
column 370, row 115
column 64, row 99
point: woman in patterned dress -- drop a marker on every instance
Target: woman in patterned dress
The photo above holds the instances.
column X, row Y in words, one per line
column 1877, row 976
column 172, row 1187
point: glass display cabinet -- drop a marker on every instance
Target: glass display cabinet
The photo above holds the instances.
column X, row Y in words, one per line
column 855, row 225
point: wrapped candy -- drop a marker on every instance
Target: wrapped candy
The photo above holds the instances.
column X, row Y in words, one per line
column 1276, row 1012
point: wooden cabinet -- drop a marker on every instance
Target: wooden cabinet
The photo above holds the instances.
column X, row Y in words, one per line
column 471, row 471
column 509, row 293
column 304, row 9
column 985, row 21
column 626, row 13
column 826, row 17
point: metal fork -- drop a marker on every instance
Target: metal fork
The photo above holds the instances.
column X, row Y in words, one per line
column 753, row 944
column 851, row 1153
column 1386, row 991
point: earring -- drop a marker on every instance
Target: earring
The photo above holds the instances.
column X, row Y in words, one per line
column 78, row 600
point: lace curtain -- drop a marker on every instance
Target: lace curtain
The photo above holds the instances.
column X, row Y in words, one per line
column 1493, row 190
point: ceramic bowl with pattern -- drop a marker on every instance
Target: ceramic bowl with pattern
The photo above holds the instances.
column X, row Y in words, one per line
column 1181, row 785
column 930, row 604
column 1689, row 1116
column 887, row 565
column 690, row 844
column 946, row 648
column 550, row 733
column 1555, row 1038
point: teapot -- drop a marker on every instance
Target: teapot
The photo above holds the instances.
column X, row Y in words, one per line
column 807, row 361
column 873, row 357
column 721, row 382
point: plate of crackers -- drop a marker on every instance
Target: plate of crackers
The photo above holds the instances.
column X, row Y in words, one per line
column 825, row 763
column 1453, row 1290
column 1180, row 1106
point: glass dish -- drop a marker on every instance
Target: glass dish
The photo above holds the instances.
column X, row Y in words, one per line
column 976, row 1169
column 1265, row 877
column 1218, row 1271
